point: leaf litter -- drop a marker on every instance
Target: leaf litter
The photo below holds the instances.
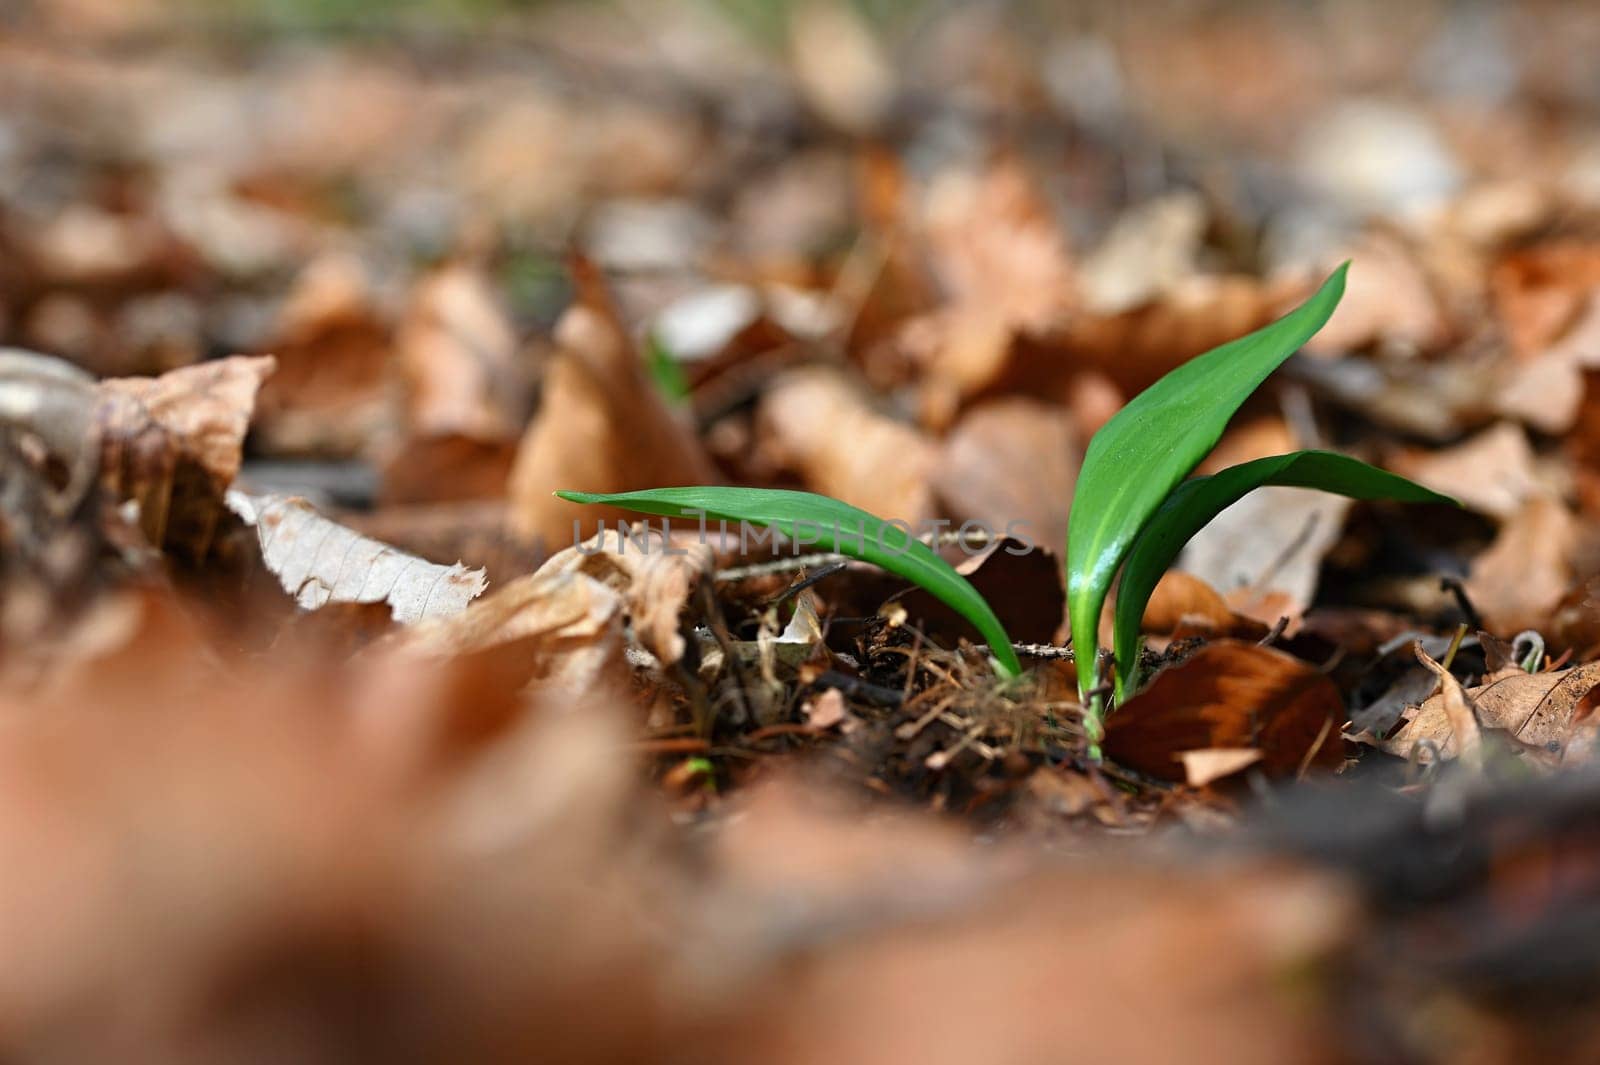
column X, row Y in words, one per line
column 306, row 790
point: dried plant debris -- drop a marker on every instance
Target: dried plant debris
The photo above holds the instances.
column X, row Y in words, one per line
column 307, row 311
column 319, row 561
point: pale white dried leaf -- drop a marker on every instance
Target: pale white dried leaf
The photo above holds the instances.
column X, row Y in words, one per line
column 319, row 561
column 1209, row 764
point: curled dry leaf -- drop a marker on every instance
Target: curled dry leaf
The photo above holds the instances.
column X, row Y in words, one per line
column 1459, row 712
column 174, row 443
column 602, row 424
column 816, row 424
column 654, row 575
column 1231, row 695
column 318, row 561
column 565, row 626
column 1535, row 708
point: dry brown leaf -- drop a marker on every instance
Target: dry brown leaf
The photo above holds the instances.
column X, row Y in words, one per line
column 1151, row 249
column 1011, row 460
column 1389, row 305
column 174, row 443
column 814, row 423
column 1184, row 605
column 319, row 561
column 565, row 627
column 1492, row 473
column 1460, row 714
column 459, row 358
column 1023, row 958
column 1575, row 620
column 1583, row 444
column 447, row 469
column 1230, row 695
column 1137, row 347
column 602, row 425
column 331, row 394
column 1248, row 439
column 1264, row 553
column 654, row 575
column 1539, row 293
column 1546, row 392
column 1536, row 708
column 1003, row 263
column 997, row 248
column 1524, row 573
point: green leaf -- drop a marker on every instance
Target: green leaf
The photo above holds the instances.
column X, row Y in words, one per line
column 1194, row 503
column 1140, row 455
column 665, row 370
column 837, row 526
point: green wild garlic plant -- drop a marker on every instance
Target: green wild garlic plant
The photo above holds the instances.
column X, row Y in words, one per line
column 1132, row 511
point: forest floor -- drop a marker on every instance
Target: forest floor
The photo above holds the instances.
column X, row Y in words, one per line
column 330, row 734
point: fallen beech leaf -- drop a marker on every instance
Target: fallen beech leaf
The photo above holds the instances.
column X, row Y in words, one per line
column 566, row 626
column 654, row 576
column 1547, row 392
column 1230, row 695
column 1264, row 553
column 1009, row 460
column 1460, row 715
column 602, row 425
column 997, row 247
column 458, row 356
column 816, row 424
column 1183, row 604
column 1248, row 439
column 318, row 561
column 1151, row 249
column 1525, row 572
column 173, row 444
column 1389, row 305
column 1540, row 292
column 1003, row 263
column 1575, row 620
column 1536, row 708
column 1492, row 473
column 447, row 469
column 330, row 394
column 1137, row 347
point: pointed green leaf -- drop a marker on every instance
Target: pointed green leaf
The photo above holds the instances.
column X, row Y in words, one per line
column 1140, row 455
column 1194, row 503
column 837, row 526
